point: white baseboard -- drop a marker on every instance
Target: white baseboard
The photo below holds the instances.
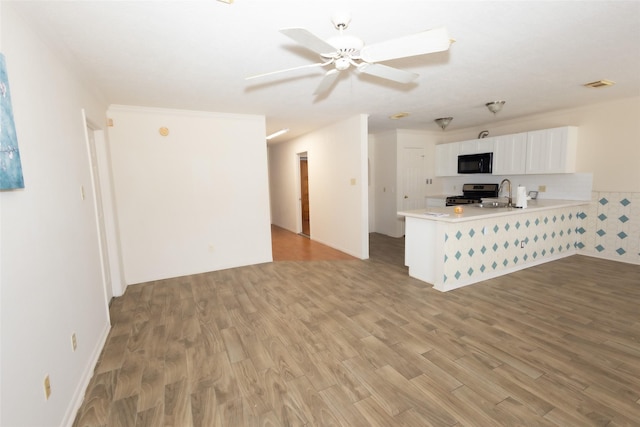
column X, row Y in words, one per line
column 78, row 395
column 609, row 258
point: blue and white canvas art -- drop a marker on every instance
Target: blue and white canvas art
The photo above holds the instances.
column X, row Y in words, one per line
column 10, row 165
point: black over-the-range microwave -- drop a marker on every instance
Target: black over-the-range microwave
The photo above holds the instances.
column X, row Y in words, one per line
column 475, row 163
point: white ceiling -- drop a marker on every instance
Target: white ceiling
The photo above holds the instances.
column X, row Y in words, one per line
column 194, row 55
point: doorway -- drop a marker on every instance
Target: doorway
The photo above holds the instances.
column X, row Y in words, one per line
column 305, row 219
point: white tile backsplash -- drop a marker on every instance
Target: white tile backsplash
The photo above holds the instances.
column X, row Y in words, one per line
column 576, row 186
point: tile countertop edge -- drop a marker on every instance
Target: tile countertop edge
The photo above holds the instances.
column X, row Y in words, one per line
column 474, row 213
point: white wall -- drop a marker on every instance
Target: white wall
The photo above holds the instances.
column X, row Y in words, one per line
column 49, row 264
column 193, row 201
column 338, row 185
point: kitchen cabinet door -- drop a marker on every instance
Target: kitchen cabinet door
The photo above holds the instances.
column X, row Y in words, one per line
column 477, row 146
column 552, row 150
column 447, row 159
column 509, row 154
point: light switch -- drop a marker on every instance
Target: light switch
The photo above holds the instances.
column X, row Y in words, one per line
column 353, row 181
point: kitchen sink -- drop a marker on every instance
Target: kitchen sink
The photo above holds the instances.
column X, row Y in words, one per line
column 491, row 205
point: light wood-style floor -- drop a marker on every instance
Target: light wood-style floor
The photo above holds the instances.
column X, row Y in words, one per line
column 359, row 343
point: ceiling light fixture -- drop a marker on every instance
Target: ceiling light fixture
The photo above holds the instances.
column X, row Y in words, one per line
column 277, row 133
column 600, row 83
column 443, row 122
column 399, row 116
column 495, row 106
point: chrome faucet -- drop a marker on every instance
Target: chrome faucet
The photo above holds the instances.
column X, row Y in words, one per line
column 510, row 199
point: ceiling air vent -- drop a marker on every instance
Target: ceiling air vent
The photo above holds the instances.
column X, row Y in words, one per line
column 600, row 83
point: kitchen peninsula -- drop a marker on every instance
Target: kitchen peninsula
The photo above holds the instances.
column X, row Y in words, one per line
column 452, row 250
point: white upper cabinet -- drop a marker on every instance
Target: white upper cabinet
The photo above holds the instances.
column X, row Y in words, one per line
column 476, row 146
column 552, row 150
column 510, row 154
column 447, row 159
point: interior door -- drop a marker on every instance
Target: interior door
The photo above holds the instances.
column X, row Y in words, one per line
column 304, row 196
column 413, row 183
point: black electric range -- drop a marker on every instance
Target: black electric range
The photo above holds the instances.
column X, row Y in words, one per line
column 474, row 193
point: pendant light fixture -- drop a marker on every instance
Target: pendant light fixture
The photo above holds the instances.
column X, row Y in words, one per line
column 443, row 122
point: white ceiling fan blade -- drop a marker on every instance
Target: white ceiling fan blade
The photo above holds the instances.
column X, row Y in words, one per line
column 388, row 73
column 327, row 82
column 308, row 40
column 429, row 41
column 319, row 64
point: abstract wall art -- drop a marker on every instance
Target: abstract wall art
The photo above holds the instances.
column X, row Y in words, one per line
column 10, row 165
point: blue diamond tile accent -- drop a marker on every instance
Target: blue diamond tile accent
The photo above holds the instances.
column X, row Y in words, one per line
column 553, row 235
column 568, row 231
column 621, row 251
column 471, row 252
column 546, row 220
column 515, row 260
column 602, row 217
column 603, row 201
column 506, row 245
column 482, row 268
column 535, row 238
column 601, row 232
column 495, row 247
column 445, row 257
column 507, row 226
column 471, row 233
column 623, row 218
column 561, row 233
column 525, row 257
column 494, row 265
column 622, row 235
column 582, row 215
column 537, row 221
column 526, row 240
column 470, row 271
column 581, row 230
column 457, row 274
column 483, row 249
column 517, row 225
column 458, row 255
column 527, row 224
column 444, row 279
column 580, row 245
column 544, row 236
column 554, row 219
column 458, row 235
column 505, row 262
column 544, row 252
column 446, row 237
column 568, row 246
column 570, row 216
column 496, row 228
column 625, row 202
column 534, row 254
column 600, row 248
column 551, row 250
column 562, row 217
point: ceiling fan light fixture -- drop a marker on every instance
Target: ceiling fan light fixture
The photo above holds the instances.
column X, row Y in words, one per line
column 443, row 122
column 495, row 106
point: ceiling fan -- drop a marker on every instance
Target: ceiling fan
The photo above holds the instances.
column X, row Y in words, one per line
column 344, row 51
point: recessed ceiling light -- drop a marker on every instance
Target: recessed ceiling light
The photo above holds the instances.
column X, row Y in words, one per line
column 277, row 133
column 600, row 83
column 399, row 116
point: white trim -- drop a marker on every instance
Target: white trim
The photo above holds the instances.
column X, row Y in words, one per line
column 172, row 112
column 608, row 258
column 87, row 374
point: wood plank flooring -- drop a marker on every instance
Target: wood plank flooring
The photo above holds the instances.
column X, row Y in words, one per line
column 359, row 343
column 288, row 246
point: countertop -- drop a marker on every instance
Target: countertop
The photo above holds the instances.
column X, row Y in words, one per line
column 471, row 212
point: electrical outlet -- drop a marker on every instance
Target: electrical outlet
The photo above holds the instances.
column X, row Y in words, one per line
column 522, row 243
column 74, row 342
column 542, row 188
column 47, row 387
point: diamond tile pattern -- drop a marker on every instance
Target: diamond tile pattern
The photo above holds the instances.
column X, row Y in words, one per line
column 612, row 229
column 544, row 234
